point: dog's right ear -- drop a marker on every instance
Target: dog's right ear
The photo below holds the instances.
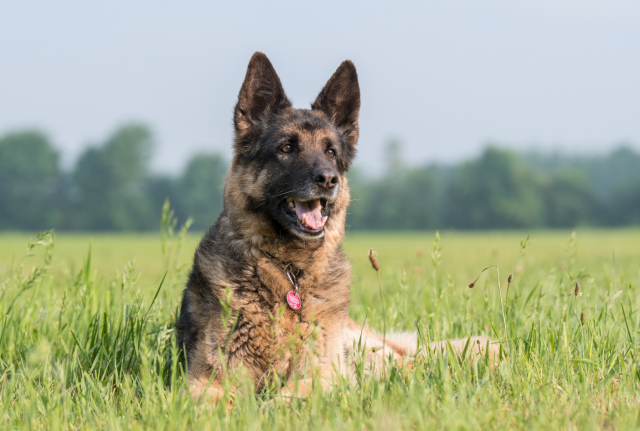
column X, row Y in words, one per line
column 261, row 94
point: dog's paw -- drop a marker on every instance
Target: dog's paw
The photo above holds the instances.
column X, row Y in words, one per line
column 210, row 396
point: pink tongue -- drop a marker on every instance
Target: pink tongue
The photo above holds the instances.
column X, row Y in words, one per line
column 312, row 215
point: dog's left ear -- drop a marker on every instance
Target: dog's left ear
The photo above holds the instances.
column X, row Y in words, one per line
column 340, row 100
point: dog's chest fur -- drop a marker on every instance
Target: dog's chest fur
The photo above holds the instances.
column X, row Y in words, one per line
column 285, row 337
column 263, row 332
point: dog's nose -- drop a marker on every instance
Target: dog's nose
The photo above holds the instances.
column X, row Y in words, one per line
column 326, row 178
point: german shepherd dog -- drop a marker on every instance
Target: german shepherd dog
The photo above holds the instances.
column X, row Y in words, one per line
column 273, row 257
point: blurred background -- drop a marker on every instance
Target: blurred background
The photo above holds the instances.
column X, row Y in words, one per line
column 475, row 115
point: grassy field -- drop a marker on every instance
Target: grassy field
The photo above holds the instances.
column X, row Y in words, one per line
column 83, row 343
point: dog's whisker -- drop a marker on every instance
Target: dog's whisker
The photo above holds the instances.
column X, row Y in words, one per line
column 283, row 193
column 275, row 196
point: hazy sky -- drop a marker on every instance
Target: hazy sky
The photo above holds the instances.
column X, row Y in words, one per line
column 444, row 77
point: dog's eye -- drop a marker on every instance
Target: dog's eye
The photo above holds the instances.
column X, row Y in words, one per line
column 286, row 148
column 330, row 153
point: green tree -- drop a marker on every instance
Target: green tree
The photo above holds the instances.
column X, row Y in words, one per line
column 196, row 193
column 623, row 208
column 405, row 198
column 200, row 190
column 111, row 180
column 408, row 199
column 568, row 199
column 29, row 182
column 495, row 191
column 361, row 198
column 613, row 172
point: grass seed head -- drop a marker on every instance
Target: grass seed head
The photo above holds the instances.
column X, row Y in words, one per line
column 510, row 278
column 471, row 285
column 373, row 260
column 576, row 291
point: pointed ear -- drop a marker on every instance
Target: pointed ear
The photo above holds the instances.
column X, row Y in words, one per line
column 261, row 94
column 340, row 100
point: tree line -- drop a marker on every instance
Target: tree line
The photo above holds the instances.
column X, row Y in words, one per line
column 111, row 188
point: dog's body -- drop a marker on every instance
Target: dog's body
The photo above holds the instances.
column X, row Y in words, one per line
column 285, row 203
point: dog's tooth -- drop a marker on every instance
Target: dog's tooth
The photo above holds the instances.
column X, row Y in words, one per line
column 319, row 205
column 303, row 221
column 292, row 205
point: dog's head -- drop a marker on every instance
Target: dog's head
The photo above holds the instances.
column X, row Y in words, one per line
column 289, row 164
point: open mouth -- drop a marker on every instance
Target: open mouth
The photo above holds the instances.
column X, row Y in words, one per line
column 309, row 215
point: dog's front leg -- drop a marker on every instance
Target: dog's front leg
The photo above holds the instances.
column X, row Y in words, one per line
column 202, row 389
column 205, row 390
column 204, row 380
column 297, row 389
column 330, row 366
column 302, row 388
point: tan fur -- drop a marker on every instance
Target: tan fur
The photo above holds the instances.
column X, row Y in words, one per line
column 246, row 253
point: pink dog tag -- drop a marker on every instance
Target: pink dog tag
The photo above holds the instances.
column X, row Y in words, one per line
column 293, row 300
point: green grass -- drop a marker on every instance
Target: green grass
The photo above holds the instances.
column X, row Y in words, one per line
column 83, row 343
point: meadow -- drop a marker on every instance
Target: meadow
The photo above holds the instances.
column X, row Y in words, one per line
column 87, row 338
